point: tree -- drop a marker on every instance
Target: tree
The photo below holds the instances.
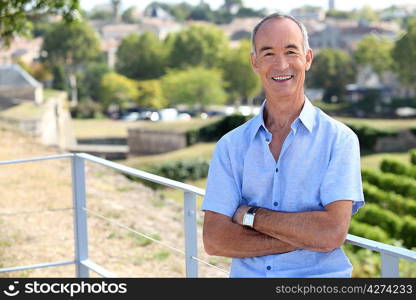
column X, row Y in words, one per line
column 194, row 86
column 404, row 55
column 202, row 12
column 150, row 94
column 16, row 15
column 375, row 52
column 368, row 14
column 91, row 79
column 198, row 45
column 242, row 81
column 71, row 45
column 117, row 89
column 332, row 70
column 128, row 15
column 141, row 57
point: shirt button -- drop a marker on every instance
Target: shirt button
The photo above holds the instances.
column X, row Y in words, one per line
column 268, row 140
column 275, row 203
column 269, row 268
column 277, row 169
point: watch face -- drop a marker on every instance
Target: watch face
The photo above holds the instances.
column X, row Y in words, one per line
column 248, row 220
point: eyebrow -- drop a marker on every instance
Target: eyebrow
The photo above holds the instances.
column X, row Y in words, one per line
column 289, row 46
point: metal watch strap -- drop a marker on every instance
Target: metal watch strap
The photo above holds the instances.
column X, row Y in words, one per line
column 252, row 210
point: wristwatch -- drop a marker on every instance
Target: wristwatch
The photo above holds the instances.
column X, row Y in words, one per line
column 248, row 219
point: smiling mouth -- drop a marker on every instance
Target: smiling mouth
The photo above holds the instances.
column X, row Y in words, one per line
column 282, row 78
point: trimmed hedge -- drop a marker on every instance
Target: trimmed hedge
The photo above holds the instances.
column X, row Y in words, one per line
column 214, row 131
column 389, row 200
column 367, row 231
column 413, row 156
column 409, row 232
column 180, row 170
column 402, row 185
column 375, row 215
column 368, row 135
column 395, row 166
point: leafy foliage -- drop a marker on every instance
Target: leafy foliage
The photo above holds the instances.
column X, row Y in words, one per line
column 16, row 16
column 198, row 86
column 141, row 57
column 332, row 70
column 117, row 89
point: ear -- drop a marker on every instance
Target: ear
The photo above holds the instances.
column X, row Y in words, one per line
column 309, row 59
column 253, row 60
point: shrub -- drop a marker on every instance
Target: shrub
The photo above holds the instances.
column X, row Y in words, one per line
column 367, row 231
column 402, row 185
column 214, row 131
column 397, row 167
column 409, row 232
column 389, row 200
column 368, row 135
column 373, row 214
column 181, row 170
column 413, row 156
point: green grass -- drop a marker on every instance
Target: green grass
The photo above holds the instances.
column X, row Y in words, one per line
column 48, row 93
column 384, row 124
column 23, row 111
column 91, row 128
column 373, row 161
column 141, row 241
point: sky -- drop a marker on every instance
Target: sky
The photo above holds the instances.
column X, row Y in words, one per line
column 282, row 5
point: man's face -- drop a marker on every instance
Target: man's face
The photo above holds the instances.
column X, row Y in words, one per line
column 280, row 59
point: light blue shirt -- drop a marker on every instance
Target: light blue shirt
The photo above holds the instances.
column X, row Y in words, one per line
column 319, row 163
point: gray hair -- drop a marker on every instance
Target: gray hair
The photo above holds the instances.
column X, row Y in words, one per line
column 279, row 15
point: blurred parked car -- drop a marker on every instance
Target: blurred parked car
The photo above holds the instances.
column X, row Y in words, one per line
column 140, row 113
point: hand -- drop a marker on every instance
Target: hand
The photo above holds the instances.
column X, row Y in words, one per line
column 239, row 214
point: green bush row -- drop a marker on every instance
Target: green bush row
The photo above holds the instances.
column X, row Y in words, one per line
column 395, row 166
column 413, row 155
column 402, row 185
column 367, row 231
column 408, row 234
column 373, row 214
column 214, row 131
column 389, row 200
column 180, row 170
column 368, row 135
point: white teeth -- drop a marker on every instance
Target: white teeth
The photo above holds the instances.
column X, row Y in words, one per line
column 282, row 77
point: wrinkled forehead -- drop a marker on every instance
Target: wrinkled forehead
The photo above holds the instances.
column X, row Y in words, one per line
column 278, row 33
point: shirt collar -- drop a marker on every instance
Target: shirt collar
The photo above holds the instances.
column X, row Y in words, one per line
column 307, row 117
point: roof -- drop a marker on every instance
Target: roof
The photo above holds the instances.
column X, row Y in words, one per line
column 13, row 76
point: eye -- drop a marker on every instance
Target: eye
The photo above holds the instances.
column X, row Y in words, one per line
column 268, row 54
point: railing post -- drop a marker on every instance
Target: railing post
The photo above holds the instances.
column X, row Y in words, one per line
column 80, row 216
column 191, row 243
column 389, row 265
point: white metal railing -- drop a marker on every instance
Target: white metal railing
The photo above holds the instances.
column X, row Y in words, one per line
column 390, row 255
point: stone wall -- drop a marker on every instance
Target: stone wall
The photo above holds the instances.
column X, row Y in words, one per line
column 144, row 141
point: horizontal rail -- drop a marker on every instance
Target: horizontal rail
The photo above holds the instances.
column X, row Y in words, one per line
column 38, row 266
column 18, row 161
column 98, row 269
column 382, row 248
column 144, row 175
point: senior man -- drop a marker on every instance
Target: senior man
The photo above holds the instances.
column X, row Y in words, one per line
column 283, row 186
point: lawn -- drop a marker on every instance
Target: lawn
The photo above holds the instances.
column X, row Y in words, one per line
column 99, row 128
column 387, row 124
column 24, row 111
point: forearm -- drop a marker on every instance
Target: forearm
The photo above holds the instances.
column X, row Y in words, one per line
column 313, row 230
column 225, row 238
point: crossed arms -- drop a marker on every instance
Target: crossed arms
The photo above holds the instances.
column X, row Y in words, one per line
column 277, row 232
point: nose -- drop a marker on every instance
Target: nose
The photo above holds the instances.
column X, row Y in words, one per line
column 280, row 63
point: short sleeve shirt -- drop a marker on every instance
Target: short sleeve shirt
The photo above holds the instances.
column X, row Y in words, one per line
column 319, row 163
